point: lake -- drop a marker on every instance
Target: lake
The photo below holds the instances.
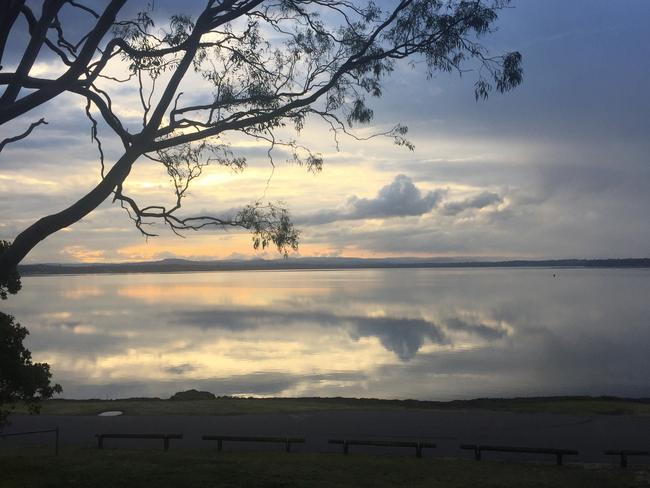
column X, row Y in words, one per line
column 387, row 333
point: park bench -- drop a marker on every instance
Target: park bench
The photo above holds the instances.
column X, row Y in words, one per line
column 287, row 441
column 164, row 437
column 624, row 453
column 346, row 443
column 558, row 453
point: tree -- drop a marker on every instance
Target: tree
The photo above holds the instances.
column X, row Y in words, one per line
column 264, row 65
column 20, row 379
column 10, row 280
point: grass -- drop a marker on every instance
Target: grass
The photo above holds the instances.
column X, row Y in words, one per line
column 240, row 406
column 32, row 468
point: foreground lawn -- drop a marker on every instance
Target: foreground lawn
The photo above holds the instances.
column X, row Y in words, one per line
column 239, row 406
column 113, row 468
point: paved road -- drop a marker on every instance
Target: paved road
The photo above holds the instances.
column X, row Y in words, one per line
column 590, row 435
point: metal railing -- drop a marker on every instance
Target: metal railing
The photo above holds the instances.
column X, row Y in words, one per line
column 32, row 432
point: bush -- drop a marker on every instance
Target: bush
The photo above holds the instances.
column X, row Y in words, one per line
column 193, row 395
column 20, row 379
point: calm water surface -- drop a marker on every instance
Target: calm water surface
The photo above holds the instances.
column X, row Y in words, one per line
column 394, row 333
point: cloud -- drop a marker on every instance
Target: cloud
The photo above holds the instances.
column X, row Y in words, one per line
column 400, row 198
column 477, row 202
column 574, row 175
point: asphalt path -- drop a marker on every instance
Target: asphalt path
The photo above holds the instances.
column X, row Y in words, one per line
column 589, row 434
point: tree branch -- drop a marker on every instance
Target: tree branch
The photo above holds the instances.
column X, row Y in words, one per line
column 11, row 108
column 29, row 130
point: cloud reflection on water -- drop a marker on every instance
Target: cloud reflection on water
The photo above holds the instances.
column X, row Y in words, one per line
column 403, row 336
column 381, row 333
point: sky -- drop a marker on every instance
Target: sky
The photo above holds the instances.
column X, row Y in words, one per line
column 558, row 168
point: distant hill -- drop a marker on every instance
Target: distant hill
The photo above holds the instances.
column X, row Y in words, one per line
column 181, row 265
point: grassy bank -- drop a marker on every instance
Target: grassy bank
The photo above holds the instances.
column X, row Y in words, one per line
column 241, row 406
column 31, row 468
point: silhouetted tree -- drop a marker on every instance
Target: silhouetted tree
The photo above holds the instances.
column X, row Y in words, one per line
column 259, row 65
column 10, row 280
column 20, row 379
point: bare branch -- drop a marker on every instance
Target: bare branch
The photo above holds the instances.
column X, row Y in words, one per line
column 93, row 135
column 83, row 7
column 29, row 130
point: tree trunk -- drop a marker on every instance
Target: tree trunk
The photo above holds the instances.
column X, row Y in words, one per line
column 35, row 233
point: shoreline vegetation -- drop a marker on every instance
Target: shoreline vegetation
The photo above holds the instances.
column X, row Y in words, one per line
column 183, row 266
column 227, row 405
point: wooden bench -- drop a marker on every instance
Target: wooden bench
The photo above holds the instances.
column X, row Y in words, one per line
column 164, row 437
column 346, row 443
column 558, row 453
column 287, row 441
column 624, row 453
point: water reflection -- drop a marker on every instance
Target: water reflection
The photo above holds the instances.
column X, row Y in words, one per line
column 382, row 333
column 403, row 336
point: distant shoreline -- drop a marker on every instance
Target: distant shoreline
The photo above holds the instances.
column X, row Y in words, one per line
column 184, row 266
column 229, row 405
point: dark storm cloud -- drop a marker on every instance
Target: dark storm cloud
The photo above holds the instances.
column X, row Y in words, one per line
column 578, row 86
column 479, row 172
column 480, row 201
column 617, row 177
column 400, row 198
